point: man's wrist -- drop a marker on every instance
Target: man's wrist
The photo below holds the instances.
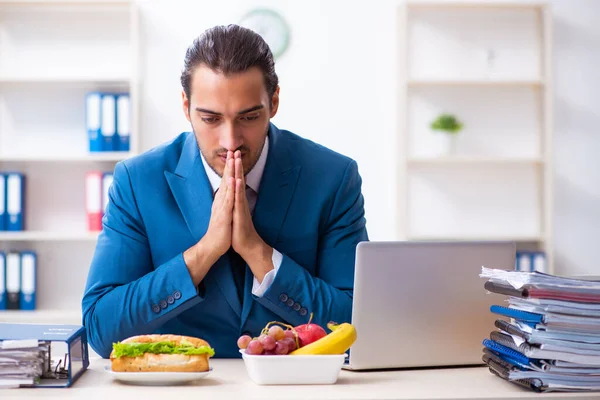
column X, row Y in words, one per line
column 198, row 260
column 260, row 260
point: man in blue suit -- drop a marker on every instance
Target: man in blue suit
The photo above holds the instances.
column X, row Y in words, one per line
column 230, row 226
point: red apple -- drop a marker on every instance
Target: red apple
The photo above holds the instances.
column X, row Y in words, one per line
column 308, row 333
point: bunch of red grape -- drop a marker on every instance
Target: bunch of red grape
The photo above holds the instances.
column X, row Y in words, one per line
column 276, row 342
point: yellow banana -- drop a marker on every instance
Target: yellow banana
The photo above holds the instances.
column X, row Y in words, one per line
column 340, row 339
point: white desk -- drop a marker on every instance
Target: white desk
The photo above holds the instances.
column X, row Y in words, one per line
column 229, row 381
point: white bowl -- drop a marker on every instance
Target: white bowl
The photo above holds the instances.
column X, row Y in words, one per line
column 293, row 370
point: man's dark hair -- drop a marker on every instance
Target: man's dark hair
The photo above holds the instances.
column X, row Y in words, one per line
column 228, row 50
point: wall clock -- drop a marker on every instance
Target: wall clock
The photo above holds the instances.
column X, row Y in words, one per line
column 271, row 26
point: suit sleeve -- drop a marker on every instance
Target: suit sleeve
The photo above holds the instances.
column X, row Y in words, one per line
column 125, row 293
column 295, row 293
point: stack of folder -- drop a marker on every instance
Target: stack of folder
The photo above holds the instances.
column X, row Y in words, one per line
column 45, row 355
column 18, row 280
column 23, row 362
column 108, row 121
column 550, row 337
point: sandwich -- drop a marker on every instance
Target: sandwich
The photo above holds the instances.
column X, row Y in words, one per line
column 161, row 353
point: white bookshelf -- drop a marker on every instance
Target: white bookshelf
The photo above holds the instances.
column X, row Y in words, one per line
column 487, row 63
column 105, row 156
column 473, row 160
column 52, row 53
column 39, row 236
column 475, row 82
column 42, row 317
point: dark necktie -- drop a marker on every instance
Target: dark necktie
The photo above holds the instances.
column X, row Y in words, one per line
column 238, row 268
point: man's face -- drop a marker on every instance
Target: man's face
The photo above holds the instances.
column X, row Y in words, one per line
column 229, row 113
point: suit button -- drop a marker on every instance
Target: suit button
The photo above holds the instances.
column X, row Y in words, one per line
column 170, row 300
column 289, row 302
column 297, row 307
column 156, row 308
column 283, row 297
column 163, row 304
column 303, row 311
column 177, row 295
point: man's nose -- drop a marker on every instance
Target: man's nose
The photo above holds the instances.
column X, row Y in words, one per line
column 230, row 138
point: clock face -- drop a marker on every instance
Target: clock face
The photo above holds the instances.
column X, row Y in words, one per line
column 271, row 26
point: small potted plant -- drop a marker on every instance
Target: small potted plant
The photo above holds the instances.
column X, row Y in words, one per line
column 450, row 126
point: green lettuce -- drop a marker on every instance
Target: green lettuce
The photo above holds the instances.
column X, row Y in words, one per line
column 138, row 349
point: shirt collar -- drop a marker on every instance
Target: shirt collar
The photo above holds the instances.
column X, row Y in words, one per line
column 253, row 177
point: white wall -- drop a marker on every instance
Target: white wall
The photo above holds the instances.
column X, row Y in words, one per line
column 339, row 87
column 337, row 82
column 577, row 135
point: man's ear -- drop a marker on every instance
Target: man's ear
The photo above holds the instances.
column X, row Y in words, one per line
column 275, row 102
column 186, row 105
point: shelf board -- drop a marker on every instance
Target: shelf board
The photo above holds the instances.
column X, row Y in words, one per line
column 66, row 2
column 474, row 82
column 31, row 236
column 91, row 157
column 460, row 160
column 432, row 238
column 81, row 79
column 519, row 5
column 72, row 317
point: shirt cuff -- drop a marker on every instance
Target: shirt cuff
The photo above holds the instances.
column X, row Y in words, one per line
column 259, row 289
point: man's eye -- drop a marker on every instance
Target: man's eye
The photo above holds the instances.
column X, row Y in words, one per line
column 250, row 118
column 209, row 120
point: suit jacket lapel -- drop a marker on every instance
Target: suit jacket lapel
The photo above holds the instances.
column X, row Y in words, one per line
column 276, row 190
column 193, row 194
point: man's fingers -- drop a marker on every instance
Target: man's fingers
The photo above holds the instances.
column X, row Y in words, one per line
column 230, row 196
column 239, row 169
column 227, row 171
column 240, row 195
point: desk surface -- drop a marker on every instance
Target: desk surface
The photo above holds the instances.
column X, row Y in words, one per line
column 230, row 381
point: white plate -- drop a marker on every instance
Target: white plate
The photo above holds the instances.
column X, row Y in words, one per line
column 156, row 378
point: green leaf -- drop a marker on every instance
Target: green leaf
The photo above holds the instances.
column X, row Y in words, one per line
column 447, row 123
column 138, row 349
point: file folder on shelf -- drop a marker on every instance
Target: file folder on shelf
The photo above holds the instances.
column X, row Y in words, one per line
column 108, row 121
column 2, row 202
column 92, row 117
column 2, row 281
column 107, row 180
column 15, row 201
column 13, row 281
column 123, row 123
column 93, row 200
column 28, row 280
column 63, row 351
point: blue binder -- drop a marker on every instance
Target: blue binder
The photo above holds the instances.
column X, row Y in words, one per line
column 2, row 202
column 123, row 123
column 506, row 351
column 2, row 281
column 108, row 124
column 15, row 203
column 13, row 281
column 92, row 120
column 520, row 315
column 28, row 280
column 77, row 357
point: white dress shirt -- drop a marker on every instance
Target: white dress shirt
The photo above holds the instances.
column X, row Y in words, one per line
column 253, row 179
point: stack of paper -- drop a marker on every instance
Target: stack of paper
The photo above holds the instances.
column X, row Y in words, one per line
column 22, row 362
column 551, row 338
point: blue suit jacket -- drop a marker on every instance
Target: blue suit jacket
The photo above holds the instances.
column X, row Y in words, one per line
column 309, row 208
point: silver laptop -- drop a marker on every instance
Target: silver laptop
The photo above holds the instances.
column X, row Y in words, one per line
column 423, row 304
